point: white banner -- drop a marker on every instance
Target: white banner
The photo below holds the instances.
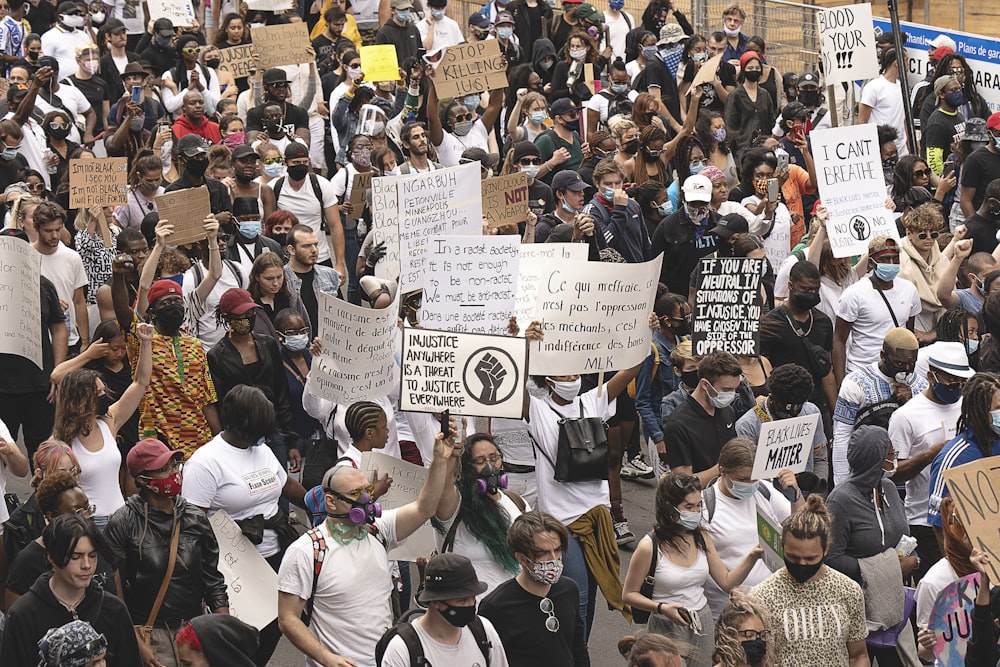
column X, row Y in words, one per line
column 407, row 480
column 20, row 300
column 249, row 579
column 852, row 186
column 847, row 43
column 534, row 258
column 385, row 225
column 782, row 444
column 180, row 12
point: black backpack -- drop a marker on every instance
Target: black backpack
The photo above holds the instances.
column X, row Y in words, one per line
column 404, row 628
column 618, row 105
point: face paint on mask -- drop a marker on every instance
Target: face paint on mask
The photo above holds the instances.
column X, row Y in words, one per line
column 242, row 326
column 546, row 571
column 168, row 487
column 719, row 134
column 696, row 214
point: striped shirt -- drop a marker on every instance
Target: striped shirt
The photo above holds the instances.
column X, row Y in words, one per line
column 960, row 450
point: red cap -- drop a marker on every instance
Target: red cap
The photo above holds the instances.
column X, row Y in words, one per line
column 149, row 454
column 993, row 122
column 747, row 57
column 163, row 288
column 940, row 52
column 235, row 301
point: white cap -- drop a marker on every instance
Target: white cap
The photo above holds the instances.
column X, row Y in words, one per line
column 943, row 40
column 950, row 358
column 698, row 188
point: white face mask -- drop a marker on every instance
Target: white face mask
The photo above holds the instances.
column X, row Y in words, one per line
column 73, row 20
column 886, row 474
column 567, row 391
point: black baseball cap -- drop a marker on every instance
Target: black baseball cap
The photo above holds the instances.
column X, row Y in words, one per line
column 191, row 145
column 730, row 224
column 567, row 178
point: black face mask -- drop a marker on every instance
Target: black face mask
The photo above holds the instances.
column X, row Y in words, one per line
column 753, row 75
column 690, row 378
column 170, row 317
column 681, row 328
column 103, row 404
column 243, row 178
column 802, row 573
column 213, row 63
column 273, row 128
column 755, row 650
column 809, row 98
column 459, row 616
column 59, row 134
column 196, row 167
column 632, row 146
column 806, row 300
column 297, row 172
column 280, row 238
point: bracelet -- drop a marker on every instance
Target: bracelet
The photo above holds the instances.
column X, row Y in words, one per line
column 658, row 605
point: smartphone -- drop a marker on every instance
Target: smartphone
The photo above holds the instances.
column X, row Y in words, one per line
column 12, row 501
column 949, row 167
column 685, row 615
column 446, row 424
column 782, row 156
column 772, row 189
column 136, row 91
column 163, row 127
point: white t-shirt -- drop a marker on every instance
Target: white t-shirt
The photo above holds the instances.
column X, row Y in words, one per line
column 73, row 101
column 5, row 434
column 940, row 575
column 351, row 608
column 600, row 104
column 632, row 68
column 778, row 243
column 465, row 652
column 862, row 305
column 318, row 407
column 566, row 501
column 618, row 27
column 32, row 146
column 446, row 33
column 99, row 472
column 452, row 146
column 913, row 429
column 512, row 439
column 65, row 269
column 61, row 44
column 830, row 293
column 209, row 331
column 487, row 567
column 131, row 14
column 886, row 102
column 243, row 482
column 781, row 279
column 733, row 530
column 303, row 203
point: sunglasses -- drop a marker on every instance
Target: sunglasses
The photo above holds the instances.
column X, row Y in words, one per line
column 279, row 84
column 923, row 236
column 58, row 126
column 546, row 607
column 191, row 50
column 463, row 117
column 354, row 494
column 273, row 160
column 528, row 161
column 922, row 173
column 36, row 187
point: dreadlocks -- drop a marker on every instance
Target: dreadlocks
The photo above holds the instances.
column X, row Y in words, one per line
column 977, row 399
column 362, row 416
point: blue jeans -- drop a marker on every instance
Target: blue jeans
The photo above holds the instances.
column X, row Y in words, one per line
column 575, row 568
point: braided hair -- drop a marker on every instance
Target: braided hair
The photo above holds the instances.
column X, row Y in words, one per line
column 362, row 416
column 977, row 399
column 953, row 326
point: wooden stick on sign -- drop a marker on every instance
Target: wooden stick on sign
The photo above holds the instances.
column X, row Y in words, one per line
column 600, row 384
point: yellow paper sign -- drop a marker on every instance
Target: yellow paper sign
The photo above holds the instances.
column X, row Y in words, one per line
column 379, row 63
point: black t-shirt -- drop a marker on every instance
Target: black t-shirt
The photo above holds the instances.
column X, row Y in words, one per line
column 540, row 198
column 41, row 16
column 657, row 75
column 295, row 118
column 781, row 345
column 979, row 170
column 983, row 232
column 32, row 563
column 710, row 100
column 941, row 128
column 695, row 438
column 11, row 170
column 95, row 89
column 308, row 294
column 18, row 374
column 218, row 194
column 326, row 52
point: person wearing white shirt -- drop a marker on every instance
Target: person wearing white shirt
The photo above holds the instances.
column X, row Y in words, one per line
column 619, row 24
column 65, row 269
column 61, row 41
column 463, row 129
column 11, row 461
column 189, row 74
column 882, row 100
column 445, row 32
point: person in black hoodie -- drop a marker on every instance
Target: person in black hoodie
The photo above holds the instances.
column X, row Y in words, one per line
column 217, row 641
column 399, row 31
column 543, row 61
column 67, row 594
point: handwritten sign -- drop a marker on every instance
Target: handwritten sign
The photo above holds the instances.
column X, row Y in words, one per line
column 851, row 184
column 785, row 443
column 471, row 283
column 951, row 620
column 237, row 59
column 975, row 487
column 847, row 43
column 180, row 12
column 594, row 319
column 443, row 202
column 531, row 265
column 360, row 186
column 385, row 225
column 249, row 579
column 707, row 72
column 470, row 68
column 727, row 306
column 470, row 374
column 281, row 44
column 357, row 361
column 98, row 181
column 186, row 210
column 20, row 300
column 407, row 480
column 505, row 199
column 769, row 538
column 269, row 5
column 379, row 62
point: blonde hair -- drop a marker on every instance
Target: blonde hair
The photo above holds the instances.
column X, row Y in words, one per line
column 728, row 644
column 926, row 217
column 20, row 209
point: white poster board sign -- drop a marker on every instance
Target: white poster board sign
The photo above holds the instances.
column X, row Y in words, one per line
column 852, row 187
column 357, row 362
column 443, row 202
column 533, row 259
column 251, row 583
column 473, row 375
column 471, row 283
column 385, row 225
column 269, row 5
column 847, row 43
column 407, row 480
column 594, row 320
column 180, row 12
column 785, row 443
column 20, row 300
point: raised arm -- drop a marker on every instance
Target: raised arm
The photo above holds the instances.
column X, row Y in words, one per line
column 945, row 288
column 413, row 515
column 211, row 226
column 125, row 406
column 493, row 108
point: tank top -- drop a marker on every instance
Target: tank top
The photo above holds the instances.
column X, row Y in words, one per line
column 99, row 472
column 681, row 585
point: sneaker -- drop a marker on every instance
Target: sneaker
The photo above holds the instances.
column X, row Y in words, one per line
column 623, row 534
column 637, row 467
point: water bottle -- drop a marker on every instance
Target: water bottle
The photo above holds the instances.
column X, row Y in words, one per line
column 48, row 156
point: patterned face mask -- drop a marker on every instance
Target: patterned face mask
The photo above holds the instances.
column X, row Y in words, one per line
column 242, row 326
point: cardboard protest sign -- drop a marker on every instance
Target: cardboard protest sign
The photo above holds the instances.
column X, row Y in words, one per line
column 471, row 283
column 951, row 620
column 442, row 202
column 407, row 480
column 379, row 62
column 357, row 362
column 186, row 210
column 385, row 225
column 473, row 375
column 847, row 43
column 360, row 186
column 975, row 488
column 727, row 306
column 237, row 59
column 505, row 199
column 20, row 300
column 249, row 579
column 769, row 538
column 281, row 44
column 98, row 181
column 707, row 72
column 269, row 5
column 533, row 258
column 851, row 185
column 785, row 443
column 180, row 12
column 470, row 68
column 594, row 320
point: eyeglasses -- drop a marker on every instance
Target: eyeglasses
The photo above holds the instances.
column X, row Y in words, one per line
column 58, row 126
column 653, row 153
column 191, row 50
column 752, row 635
column 492, row 459
column 923, row 236
column 86, row 512
column 273, row 160
column 551, row 623
column 528, row 161
column 304, row 331
column 957, row 72
column 459, row 117
column 699, row 163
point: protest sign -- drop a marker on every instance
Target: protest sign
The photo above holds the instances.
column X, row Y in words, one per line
column 975, row 488
column 357, row 362
column 20, row 300
column 186, row 210
column 473, row 375
column 470, row 68
column 785, row 443
column 534, row 257
column 237, row 59
column 727, row 306
column 443, row 202
column 269, row 5
column 769, row 538
column 505, row 199
column 707, row 72
column 471, row 283
column 851, row 185
column 180, row 12
column 594, row 321
column 360, row 185
column 407, row 480
column 249, row 579
column 281, row 44
column 98, row 181
column 385, row 225
column 379, row 62
column 951, row 620
column 847, row 44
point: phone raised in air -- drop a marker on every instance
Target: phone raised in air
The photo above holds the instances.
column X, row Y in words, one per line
column 446, row 424
column 949, row 167
column 136, row 94
column 773, row 189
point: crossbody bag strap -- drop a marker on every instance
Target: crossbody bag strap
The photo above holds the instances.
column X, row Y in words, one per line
column 449, row 539
column 155, row 610
column 892, row 313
